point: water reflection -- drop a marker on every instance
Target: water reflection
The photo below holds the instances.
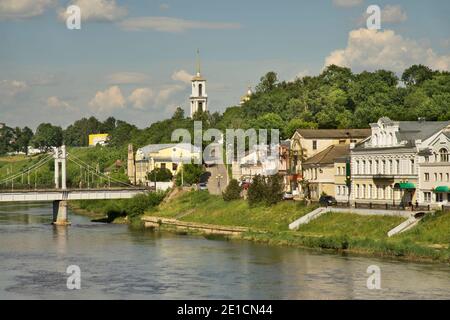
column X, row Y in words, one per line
column 120, row 262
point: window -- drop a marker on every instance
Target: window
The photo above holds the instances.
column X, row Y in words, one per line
column 439, row 197
column 427, row 159
column 369, row 195
column 163, row 165
column 339, row 190
column 411, row 169
column 383, row 170
column 391, row 168
column 174, row 167
column 427, row 176
column 200, row 106
column 363, row 167
column 314, row 144
column 427, row 196
column 357, row 167
column 444, row 155
column 200, row 90
column 341, row 141
column 397, row 166
column 377, row 167
column 441, row 177
column 435, row 177
column 447, row 178
column 370, row 167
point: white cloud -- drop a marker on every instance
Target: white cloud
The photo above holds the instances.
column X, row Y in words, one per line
column 347, row 3
column 183, row 76
column 56, row 103
column 17, row 9
column 372, row 49
column 108, row 100
column 167, row 92
column 174, row 25
column 141, row 97
column 127, row 78
column 96, row 10
column 11, row 88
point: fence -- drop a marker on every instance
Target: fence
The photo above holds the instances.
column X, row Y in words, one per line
column 383, row 206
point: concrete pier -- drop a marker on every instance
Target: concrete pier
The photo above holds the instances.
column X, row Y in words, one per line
column 60, row 213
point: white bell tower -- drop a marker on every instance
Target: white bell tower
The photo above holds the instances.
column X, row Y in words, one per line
column 199, row 98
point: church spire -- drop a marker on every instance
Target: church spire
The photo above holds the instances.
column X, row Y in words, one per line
column 198, row 62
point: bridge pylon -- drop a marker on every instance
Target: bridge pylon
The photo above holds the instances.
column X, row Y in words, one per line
column 60, row 216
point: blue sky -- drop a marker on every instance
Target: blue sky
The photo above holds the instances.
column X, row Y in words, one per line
column 132, row 59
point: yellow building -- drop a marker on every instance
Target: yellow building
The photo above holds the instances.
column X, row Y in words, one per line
column 325, row 172
column 99, row 138
column 170, row 156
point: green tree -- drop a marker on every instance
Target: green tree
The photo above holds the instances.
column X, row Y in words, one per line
column 190, row 174
column 160, row 175
column 257, row 191
column 47, row 136
column 416, row 75
column 274, row 188
column 233, row 191
column 267, row 82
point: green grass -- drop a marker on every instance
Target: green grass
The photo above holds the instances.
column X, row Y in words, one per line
column 352, row 225
column 332, row 231
column 205, row 208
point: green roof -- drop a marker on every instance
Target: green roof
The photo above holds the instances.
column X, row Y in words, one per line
column 405, row 185
column 442, row 189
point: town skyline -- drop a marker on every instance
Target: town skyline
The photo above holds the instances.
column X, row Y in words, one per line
column 135, row 61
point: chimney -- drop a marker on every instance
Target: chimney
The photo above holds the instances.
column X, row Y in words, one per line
column 131, row 167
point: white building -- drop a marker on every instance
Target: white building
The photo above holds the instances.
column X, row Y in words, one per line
column 199, row 98
column 391, row 165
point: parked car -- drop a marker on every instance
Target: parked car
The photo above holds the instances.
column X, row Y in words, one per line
column 202, row 186
column 327, row 201
column 288, row 196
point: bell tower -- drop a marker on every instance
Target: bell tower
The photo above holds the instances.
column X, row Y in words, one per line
column 199, row 98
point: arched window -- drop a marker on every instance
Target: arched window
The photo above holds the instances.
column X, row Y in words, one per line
column 444, row 155
column 200, row 90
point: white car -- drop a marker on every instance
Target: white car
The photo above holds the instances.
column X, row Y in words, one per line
column 288, row 196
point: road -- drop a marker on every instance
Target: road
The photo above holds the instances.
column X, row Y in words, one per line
column 218, row 180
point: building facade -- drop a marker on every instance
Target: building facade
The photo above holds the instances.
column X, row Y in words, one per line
column 385, row 166
column 324, row 173
column 168, row 156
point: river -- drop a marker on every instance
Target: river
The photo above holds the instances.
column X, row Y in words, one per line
column 118, row 262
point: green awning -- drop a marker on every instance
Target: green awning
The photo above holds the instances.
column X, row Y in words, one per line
column 442, row 189
column 404, row 186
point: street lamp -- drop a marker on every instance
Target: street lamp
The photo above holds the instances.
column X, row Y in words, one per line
column 218, row 177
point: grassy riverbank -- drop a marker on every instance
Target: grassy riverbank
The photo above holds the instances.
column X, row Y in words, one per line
column 334, row 231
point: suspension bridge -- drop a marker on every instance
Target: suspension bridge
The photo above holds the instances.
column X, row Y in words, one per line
column 109, row 188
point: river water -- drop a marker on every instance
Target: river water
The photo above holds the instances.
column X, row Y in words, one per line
column 117, row 262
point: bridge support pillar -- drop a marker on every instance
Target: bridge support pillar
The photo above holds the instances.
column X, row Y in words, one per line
column 60, row 213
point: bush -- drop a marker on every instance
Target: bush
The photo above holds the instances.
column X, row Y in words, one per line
column 233, row 191
column 257, row 191
column 191, row 174
column 274, row 192
column 142, row 202
column 268, row 191
column 160, row 174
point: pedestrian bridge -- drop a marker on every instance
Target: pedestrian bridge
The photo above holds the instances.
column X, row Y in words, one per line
column 61, row 194
column 69, row 194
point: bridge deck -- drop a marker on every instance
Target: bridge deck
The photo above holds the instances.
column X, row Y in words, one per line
column 69, row 194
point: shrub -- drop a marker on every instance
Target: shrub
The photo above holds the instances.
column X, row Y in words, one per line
column 274, row 192
column 268, row 191
column 257, row 191
column 160, row 175
column 233, row 191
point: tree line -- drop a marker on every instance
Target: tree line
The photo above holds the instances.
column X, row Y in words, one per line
column 336, row 98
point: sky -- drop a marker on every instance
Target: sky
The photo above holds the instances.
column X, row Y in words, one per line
column 134, row 59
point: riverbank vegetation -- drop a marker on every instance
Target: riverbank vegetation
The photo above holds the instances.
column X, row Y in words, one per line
column 118, row 210
column 342, row 232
